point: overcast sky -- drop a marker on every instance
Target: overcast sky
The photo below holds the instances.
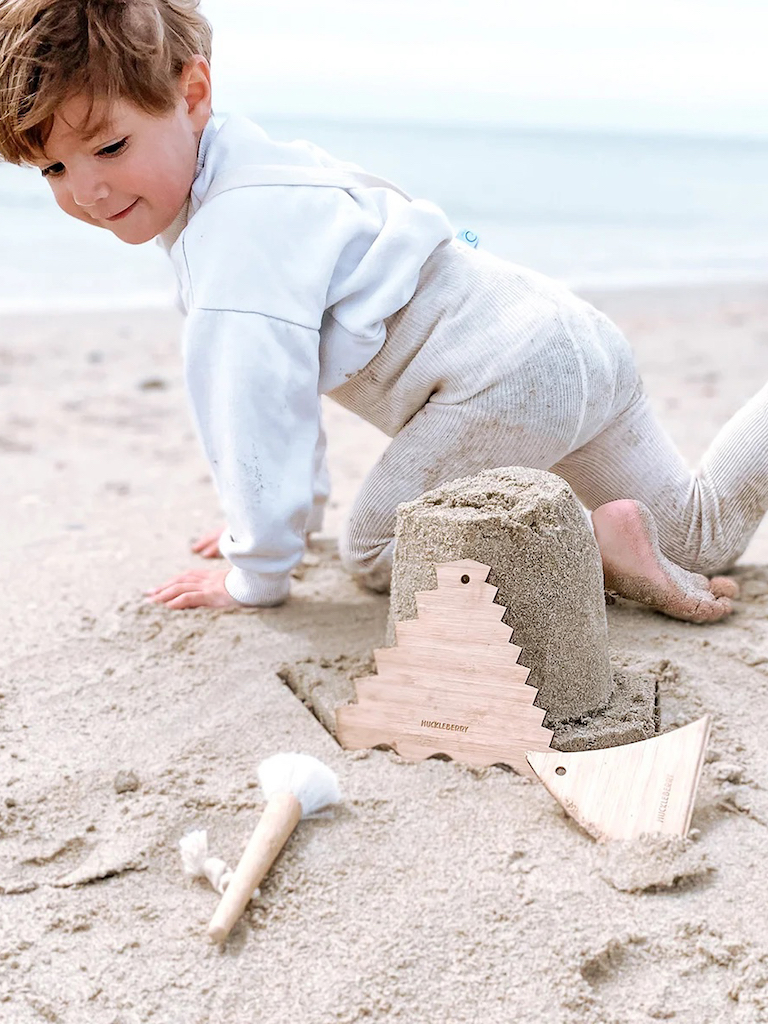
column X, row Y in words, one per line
column 651, row 65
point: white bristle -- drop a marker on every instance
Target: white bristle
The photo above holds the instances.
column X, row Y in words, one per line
column 313, row 783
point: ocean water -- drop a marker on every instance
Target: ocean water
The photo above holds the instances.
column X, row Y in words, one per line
column 594, row 210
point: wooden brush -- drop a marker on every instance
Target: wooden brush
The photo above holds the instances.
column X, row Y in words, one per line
column 295, row 785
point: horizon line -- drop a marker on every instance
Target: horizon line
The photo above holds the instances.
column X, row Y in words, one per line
column 502, row 127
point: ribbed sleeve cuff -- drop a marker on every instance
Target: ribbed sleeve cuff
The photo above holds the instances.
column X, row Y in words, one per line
column 261, row 590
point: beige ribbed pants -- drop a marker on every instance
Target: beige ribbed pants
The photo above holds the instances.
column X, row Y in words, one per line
column 493, row 365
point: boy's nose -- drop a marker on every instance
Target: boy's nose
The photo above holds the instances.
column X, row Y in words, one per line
column 88, row 190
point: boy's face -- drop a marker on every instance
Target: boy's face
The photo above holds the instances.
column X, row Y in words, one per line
column 135, row 178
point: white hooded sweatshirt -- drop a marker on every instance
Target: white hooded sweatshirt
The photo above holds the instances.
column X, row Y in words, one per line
column 288, row 262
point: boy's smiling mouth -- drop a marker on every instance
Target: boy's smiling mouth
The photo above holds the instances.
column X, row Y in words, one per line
column 123, row 213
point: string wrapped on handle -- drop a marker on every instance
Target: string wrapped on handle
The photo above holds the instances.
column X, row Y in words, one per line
column 198, row 864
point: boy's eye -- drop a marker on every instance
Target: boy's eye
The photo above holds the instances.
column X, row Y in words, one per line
column 54, row 170
column 114, row 148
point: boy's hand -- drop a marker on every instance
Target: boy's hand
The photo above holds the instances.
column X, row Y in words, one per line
column 208, row 545
column 194, row 589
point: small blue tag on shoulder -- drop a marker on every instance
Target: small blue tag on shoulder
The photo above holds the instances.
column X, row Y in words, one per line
column 470, row 237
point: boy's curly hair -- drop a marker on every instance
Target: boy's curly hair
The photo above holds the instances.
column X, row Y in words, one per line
column 51, row 50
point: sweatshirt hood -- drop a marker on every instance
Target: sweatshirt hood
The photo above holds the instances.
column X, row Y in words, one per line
column 167, row 238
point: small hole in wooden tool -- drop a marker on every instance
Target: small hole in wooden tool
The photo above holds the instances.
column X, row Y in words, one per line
column 560, row 771
column 465, row 579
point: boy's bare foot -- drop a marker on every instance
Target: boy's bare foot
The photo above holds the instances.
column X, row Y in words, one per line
column 635, row 568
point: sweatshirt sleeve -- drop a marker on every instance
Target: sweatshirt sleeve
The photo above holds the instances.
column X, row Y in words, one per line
column 258, row 263
column 252, row 382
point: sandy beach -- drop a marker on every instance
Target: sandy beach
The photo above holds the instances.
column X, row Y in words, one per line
column 434, row 892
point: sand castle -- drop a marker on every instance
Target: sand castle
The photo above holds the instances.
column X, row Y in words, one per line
column 529, row 527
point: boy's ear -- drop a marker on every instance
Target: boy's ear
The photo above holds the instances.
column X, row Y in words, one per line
column 195, row 87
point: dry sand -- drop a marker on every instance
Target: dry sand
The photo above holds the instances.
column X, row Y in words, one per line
column 434, row 893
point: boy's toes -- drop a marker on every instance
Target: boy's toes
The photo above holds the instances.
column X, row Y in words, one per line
column 724, row 586
column 712, row 609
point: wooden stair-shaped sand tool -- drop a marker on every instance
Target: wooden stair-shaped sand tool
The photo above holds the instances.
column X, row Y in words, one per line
column 452, row 684
column 622, row 792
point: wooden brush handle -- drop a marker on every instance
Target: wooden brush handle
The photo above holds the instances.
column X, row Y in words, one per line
column 279, row 818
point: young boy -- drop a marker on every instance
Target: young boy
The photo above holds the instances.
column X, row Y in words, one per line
column 301, row 275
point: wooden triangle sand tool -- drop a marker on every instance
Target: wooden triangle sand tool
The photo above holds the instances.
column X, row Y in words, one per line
column 622, row 792
column 452, row 684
